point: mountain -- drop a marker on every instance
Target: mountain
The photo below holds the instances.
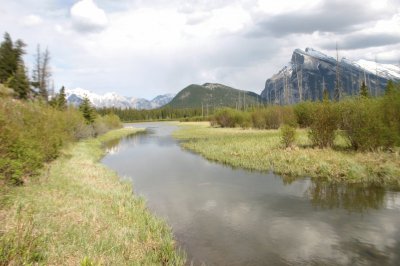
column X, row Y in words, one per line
column 213, row 95
column 75, row 97
column 310, row 71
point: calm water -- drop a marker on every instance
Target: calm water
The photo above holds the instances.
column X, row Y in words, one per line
column 225, row 216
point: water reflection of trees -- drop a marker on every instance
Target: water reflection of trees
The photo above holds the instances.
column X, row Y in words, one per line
column 113, row 146
column 112, row 143
column 362, row 253
column 353, row 197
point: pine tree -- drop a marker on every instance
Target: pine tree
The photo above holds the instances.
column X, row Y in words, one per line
column 8, row 62
column 19, row 83
column 390, row 87
column 12, row 67
column 62, row 99
column 87, row 111
column 364, row 90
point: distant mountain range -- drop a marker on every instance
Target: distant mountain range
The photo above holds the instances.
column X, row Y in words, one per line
column 75, row 97
column 304, row 78
column 211, row 95
column 310, row 71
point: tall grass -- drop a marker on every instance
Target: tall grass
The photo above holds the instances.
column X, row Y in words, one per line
column 78, row 212
column 262, row 150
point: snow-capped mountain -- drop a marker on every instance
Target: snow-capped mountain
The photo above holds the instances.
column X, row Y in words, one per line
column 112, row 99
column 310, row 71
column 384, row 70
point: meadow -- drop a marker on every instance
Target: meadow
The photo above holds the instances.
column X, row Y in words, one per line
column 262, row 150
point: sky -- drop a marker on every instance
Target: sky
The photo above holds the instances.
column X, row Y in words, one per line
column 144, row 48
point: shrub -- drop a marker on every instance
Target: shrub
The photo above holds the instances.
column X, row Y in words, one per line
column 288, row 116
column 324, row 124
column 362, row 123
column 390, row 108
column 303, row 112
column 228, row 117
column 288, row 135
column 244, row 120
column 32, row 133
column 273, row 117
column 102, row 124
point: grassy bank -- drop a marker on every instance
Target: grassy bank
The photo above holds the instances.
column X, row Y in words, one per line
column 78, row 213
column 262, row 150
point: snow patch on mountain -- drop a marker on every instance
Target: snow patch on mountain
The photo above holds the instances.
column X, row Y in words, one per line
column 384, row 70
column 112, row 99
column 387, row 71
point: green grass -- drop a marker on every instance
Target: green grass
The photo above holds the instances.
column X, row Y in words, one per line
column 262, row 150
column 78, row 212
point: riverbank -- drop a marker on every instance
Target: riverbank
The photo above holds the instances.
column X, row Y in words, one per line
column 261, row 150
column 77, row 212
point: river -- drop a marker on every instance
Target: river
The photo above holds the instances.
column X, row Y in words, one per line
column 225, row 216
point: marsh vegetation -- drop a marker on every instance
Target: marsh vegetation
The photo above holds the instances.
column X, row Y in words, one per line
column 262, row 150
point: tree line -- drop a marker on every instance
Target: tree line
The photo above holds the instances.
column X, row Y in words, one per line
column 366, row 123
column 163, row 113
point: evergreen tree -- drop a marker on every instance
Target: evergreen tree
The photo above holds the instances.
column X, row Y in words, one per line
column 12, row 67
column 364, row 90
column 62, row 99
column 19, row 83
column 8, row 61
column 87, row 111
column 390, row 87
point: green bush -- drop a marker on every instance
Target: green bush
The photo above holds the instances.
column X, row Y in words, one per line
column 288, row 135
column 228, row 117
column 362, row 123
column 273, row 117
column 245, row 120
column 304, row 112
column 324, row 123
column 33, row 133
column 390, row 108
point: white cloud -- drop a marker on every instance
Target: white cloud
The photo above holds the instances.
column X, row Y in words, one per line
column 87, row 16
column 32, row 20
column 146, row 48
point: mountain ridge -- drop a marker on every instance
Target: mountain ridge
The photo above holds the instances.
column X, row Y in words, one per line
column 213, row 95
column 112, row 99
column 310, row 71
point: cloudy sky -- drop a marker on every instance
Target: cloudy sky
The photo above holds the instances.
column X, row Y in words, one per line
column 143, row 48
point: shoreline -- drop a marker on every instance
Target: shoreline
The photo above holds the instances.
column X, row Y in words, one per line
column 261, row 150
column 79, row 212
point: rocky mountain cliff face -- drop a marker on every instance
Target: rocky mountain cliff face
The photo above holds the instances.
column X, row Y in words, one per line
column 75, row 97
column 310, row 71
